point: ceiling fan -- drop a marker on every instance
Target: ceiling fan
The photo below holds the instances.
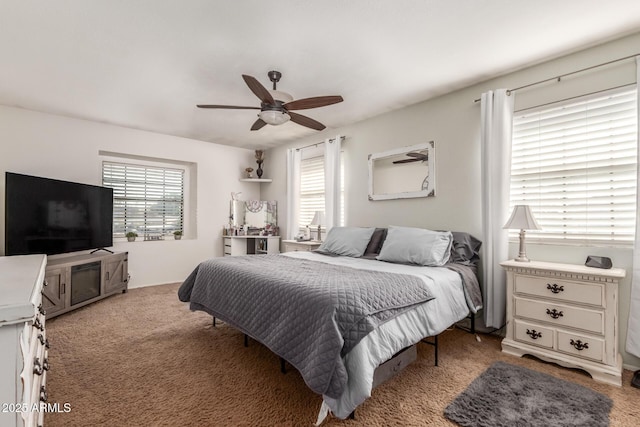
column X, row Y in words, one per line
column 276, row 106
column 416, row 156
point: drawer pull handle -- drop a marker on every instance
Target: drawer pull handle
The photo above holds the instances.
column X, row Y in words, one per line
column 38, row 325
column 554, row 313
column 43, row 394
column 579, row 345
column 555, row 288
column 43, row 341
column 45, row 364
column 534, row 334
column 42, row 310
column 45, row 283
column 37, row 368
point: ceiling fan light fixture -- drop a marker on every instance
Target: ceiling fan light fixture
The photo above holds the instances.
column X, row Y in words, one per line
column 274, row 117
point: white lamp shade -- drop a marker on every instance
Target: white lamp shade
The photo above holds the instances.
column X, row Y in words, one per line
column 318, row 218
column 274, row 117
column 522, row 219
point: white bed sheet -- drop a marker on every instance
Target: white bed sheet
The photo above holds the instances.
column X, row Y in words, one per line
column 424, row 320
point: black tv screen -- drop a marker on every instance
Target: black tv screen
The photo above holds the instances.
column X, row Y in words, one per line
column 48, row 216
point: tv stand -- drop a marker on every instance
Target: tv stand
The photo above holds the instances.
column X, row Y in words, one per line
column 77, row 280
column 100, row 249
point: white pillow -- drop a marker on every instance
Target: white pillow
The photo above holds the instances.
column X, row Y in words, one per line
column 347, row 241
column 416, row 246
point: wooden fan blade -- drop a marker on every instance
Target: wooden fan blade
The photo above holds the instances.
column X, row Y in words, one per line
column 259, row 90
column 405, row 161
column 306, row 121
column 230, row 107
column 315, row 102
column 258, row 124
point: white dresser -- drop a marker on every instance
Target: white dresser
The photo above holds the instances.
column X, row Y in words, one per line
column 564, row 313
column 251, row 245
column 23, row 340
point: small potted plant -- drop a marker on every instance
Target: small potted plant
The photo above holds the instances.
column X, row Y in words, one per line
column 177, row 234
column 131, row 236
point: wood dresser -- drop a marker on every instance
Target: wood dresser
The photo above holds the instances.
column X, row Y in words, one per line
column 23, row 339
column 564, row 313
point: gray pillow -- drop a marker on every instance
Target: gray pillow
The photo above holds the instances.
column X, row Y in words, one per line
column 346, row 241
column 416, row 246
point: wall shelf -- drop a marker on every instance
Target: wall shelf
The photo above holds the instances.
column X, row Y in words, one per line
column 256, row 180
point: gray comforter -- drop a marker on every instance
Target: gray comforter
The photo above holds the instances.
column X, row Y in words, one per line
column 308, row 312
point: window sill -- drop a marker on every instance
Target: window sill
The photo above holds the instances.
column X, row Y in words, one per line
column 574, row 243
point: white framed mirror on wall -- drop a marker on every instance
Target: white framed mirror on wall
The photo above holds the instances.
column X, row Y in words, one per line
column 403, row 173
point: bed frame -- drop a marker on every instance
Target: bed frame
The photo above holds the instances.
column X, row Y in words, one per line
column 392, row 367
column 434, row 343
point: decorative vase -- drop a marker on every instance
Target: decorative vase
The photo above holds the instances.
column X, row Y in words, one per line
column 259, row 170
column 131, row 239
column 177, row 236
column 259, row 160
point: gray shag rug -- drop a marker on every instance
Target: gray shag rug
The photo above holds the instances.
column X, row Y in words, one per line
column 508, row 395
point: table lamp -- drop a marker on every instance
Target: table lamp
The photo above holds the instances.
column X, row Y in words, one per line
column 522, row 218
column 318, row 219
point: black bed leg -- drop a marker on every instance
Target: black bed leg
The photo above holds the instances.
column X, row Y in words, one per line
column 473, row 323
column 436, row 349
column 283, row 367
column 214, row 322
column 352, row 416
column 246, row 340
column 434, row 343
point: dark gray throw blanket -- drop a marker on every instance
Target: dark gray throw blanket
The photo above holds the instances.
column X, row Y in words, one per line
column 470, row 284
column 310, row 313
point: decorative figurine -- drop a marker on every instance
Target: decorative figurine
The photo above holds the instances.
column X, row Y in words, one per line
column 249, row 170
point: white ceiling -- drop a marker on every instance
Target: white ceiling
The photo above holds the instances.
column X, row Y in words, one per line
column 145, row 64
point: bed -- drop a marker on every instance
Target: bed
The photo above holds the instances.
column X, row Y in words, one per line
column 338, row 313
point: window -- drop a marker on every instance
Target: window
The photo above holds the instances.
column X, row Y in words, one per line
column 575, row 164
column 312, row 190
column 146, row 199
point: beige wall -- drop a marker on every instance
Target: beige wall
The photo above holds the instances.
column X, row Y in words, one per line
column 56, row 147
column 453, row 122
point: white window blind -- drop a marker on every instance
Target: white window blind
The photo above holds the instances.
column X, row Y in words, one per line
column 312, row 190
column 147, row 200
column 575, row 164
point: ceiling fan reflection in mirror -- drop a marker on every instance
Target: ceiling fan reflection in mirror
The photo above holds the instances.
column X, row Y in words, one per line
column 276, row 106
column 415, row 156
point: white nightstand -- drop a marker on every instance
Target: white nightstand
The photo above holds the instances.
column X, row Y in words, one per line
column 294, row 245
column 566, row 314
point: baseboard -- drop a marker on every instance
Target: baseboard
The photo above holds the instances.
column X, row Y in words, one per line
column 631, row 367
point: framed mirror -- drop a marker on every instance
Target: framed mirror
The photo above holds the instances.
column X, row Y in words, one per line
column 253, row 213
column 403, row 173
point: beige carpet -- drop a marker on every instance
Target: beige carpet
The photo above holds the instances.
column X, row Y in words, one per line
column 143, row 359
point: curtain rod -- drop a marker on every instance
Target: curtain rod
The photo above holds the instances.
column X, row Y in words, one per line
column 574, row 97
column 561, row 76
column 319, row 143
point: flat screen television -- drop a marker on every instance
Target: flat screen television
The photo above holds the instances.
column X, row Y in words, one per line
column 48, row 216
